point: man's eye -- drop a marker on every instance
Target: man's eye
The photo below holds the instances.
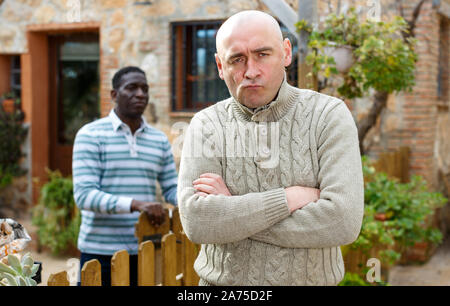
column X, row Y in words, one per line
column 263, row 54
column 237, row 60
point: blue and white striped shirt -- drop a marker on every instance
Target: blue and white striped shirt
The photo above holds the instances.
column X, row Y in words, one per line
column 111, row 167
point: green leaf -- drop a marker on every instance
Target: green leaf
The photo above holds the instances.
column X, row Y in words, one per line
column 15, row 263
column 7, row 269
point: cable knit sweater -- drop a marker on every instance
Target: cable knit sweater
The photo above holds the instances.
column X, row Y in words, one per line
column 302, row 138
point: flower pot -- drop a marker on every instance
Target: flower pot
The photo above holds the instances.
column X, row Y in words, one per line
column 8, row 105
column 343, row 56
column 419, row 253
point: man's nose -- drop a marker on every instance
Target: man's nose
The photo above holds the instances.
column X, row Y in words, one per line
column 252, row 70
column 140, row 92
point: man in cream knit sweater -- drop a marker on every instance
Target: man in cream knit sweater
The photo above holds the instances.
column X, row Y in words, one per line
column 270, row 179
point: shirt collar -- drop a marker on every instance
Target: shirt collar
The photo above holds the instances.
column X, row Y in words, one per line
column 116, row 122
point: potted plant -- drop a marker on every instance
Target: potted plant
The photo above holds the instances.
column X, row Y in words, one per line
column 18, row 271
column 12, row 136
column 56, row 216
column 10, row 102
column 395, row 220
column 380, row 58
column 352, row 59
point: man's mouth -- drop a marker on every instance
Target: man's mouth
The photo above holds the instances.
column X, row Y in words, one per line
column 139, row 104
column 253, row 86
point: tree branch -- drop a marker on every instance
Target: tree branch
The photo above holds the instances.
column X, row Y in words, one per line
column 379, row 103
column 413, row 22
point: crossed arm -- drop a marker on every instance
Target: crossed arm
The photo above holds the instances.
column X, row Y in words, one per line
column 296, row 196
column 294, row 217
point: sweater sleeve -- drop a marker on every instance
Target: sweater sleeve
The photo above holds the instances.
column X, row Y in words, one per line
column 87, row 171
column 217, row 218
column 336, row 218
column 168, row 177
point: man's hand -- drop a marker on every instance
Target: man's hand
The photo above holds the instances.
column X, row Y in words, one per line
column 210, row 183
column 155, row 211
column 298, row 196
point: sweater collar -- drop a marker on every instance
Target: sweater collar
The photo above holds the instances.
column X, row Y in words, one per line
column 272, row 111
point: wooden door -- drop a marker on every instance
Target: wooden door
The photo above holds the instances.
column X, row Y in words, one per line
column 74, row 92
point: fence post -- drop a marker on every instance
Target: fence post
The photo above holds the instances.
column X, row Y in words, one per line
column 58, row 279
column 177, row 229
column 146, row 264
column 120, row 269
column 169, row 257
column 145, row 228
column 91, row 273
column 190, row 252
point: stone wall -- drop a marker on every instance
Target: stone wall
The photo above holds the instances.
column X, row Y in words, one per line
column 140, row 35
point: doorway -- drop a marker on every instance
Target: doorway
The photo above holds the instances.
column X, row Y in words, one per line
column 74, row 95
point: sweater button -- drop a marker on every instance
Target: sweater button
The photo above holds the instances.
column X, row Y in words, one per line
column 263, row 131
column 265, row 150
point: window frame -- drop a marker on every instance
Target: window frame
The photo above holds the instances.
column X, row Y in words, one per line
column 180, row 91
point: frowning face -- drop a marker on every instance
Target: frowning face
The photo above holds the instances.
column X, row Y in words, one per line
column 251, row 59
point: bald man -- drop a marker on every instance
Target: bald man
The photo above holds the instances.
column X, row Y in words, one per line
column 270, row 180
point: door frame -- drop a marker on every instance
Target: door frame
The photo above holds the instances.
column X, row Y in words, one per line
column 35, row 93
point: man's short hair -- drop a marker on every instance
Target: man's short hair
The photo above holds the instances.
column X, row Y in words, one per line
column 118, row 75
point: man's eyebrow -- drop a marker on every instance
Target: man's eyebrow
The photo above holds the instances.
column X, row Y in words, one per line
column 262, row 49
column 238, row 54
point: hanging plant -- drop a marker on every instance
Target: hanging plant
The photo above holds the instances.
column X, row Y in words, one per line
column 381, row 59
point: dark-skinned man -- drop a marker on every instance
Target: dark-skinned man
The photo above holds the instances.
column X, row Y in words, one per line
column 117, row 161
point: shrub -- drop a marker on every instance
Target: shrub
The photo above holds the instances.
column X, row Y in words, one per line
column 57, row 216
column 396, row 215
column 12, row 137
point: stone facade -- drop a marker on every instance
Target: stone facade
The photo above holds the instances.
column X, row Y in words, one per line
column 132, row 34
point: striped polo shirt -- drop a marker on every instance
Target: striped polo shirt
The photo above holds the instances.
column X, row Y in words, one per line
column 111, row 167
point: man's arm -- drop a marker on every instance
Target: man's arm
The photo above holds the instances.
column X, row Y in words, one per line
column 335, row 219
column 168, row 176
column 218, row 218
column 86, row 170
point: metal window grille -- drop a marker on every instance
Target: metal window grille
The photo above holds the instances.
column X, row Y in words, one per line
column 195, row 80
column 15, row 75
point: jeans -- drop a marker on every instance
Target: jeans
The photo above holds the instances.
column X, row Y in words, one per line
column 105, row 263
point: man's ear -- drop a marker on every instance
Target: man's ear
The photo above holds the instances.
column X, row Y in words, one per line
column 287, row 47
column 113, row 94
column 219, row 65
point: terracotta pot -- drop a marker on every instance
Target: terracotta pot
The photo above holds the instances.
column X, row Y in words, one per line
column 419, row 253
column 8, row 105
column 380, row 217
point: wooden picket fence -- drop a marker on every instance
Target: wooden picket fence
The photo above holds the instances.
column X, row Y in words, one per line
column 170, row 265
column 395, row 164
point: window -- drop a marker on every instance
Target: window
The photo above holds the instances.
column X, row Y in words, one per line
column 292, row 69
column 195, row 83
column 443, row 72
column 15, row 75
column 195, row 80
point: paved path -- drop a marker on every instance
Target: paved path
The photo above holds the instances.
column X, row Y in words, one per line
column 436, row 272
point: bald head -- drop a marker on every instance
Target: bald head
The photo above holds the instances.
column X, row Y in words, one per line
column 252, row 56
column 242, row 20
